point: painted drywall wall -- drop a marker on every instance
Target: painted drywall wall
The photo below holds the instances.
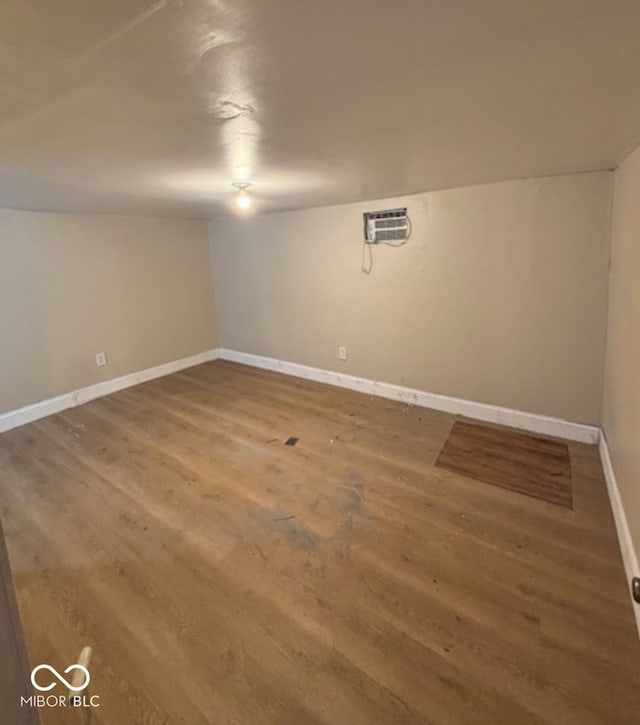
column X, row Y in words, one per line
column 499, row 296
column 621, row 407
column 72, row 285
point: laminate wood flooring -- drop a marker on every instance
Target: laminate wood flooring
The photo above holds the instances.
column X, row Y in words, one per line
column 224, row 577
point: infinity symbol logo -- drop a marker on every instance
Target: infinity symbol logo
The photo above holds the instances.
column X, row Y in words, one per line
column 60, row 678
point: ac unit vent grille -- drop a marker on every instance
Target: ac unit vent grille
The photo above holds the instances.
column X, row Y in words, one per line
column 391, row 225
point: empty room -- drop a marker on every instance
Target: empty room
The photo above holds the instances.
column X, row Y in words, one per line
column 320, row 362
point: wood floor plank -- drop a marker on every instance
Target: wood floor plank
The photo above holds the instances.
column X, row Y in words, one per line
column 223, row 577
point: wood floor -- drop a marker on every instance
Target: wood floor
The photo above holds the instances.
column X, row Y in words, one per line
column 224, row 577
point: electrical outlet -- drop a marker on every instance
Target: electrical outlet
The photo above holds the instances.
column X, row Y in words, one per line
column 342, row 353
column 101, row 359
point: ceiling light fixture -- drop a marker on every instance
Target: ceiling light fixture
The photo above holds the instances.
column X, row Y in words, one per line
column 242, row 199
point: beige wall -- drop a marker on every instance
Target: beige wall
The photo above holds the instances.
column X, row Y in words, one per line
column 621, row 415
column 499, row 296
column 71, row 286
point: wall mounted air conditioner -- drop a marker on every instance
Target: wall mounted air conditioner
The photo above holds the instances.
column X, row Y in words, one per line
column 386, row 227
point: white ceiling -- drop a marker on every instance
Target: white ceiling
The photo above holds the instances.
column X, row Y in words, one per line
column 156, row 107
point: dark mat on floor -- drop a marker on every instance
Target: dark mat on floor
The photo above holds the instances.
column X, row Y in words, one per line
column 534, row 466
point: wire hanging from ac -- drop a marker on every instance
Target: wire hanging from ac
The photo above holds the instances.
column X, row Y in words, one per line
column 367, row 267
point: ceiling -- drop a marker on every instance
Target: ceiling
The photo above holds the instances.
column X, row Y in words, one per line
column 156, row 107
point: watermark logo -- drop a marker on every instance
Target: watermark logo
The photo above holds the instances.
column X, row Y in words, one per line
column 60, row 678
column 78, row 682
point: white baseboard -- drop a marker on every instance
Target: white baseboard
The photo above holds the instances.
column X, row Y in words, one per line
column 29, row 413
column 627, row 549
column 481, row 411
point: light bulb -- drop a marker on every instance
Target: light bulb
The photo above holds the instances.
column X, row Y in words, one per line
column 243, row 200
